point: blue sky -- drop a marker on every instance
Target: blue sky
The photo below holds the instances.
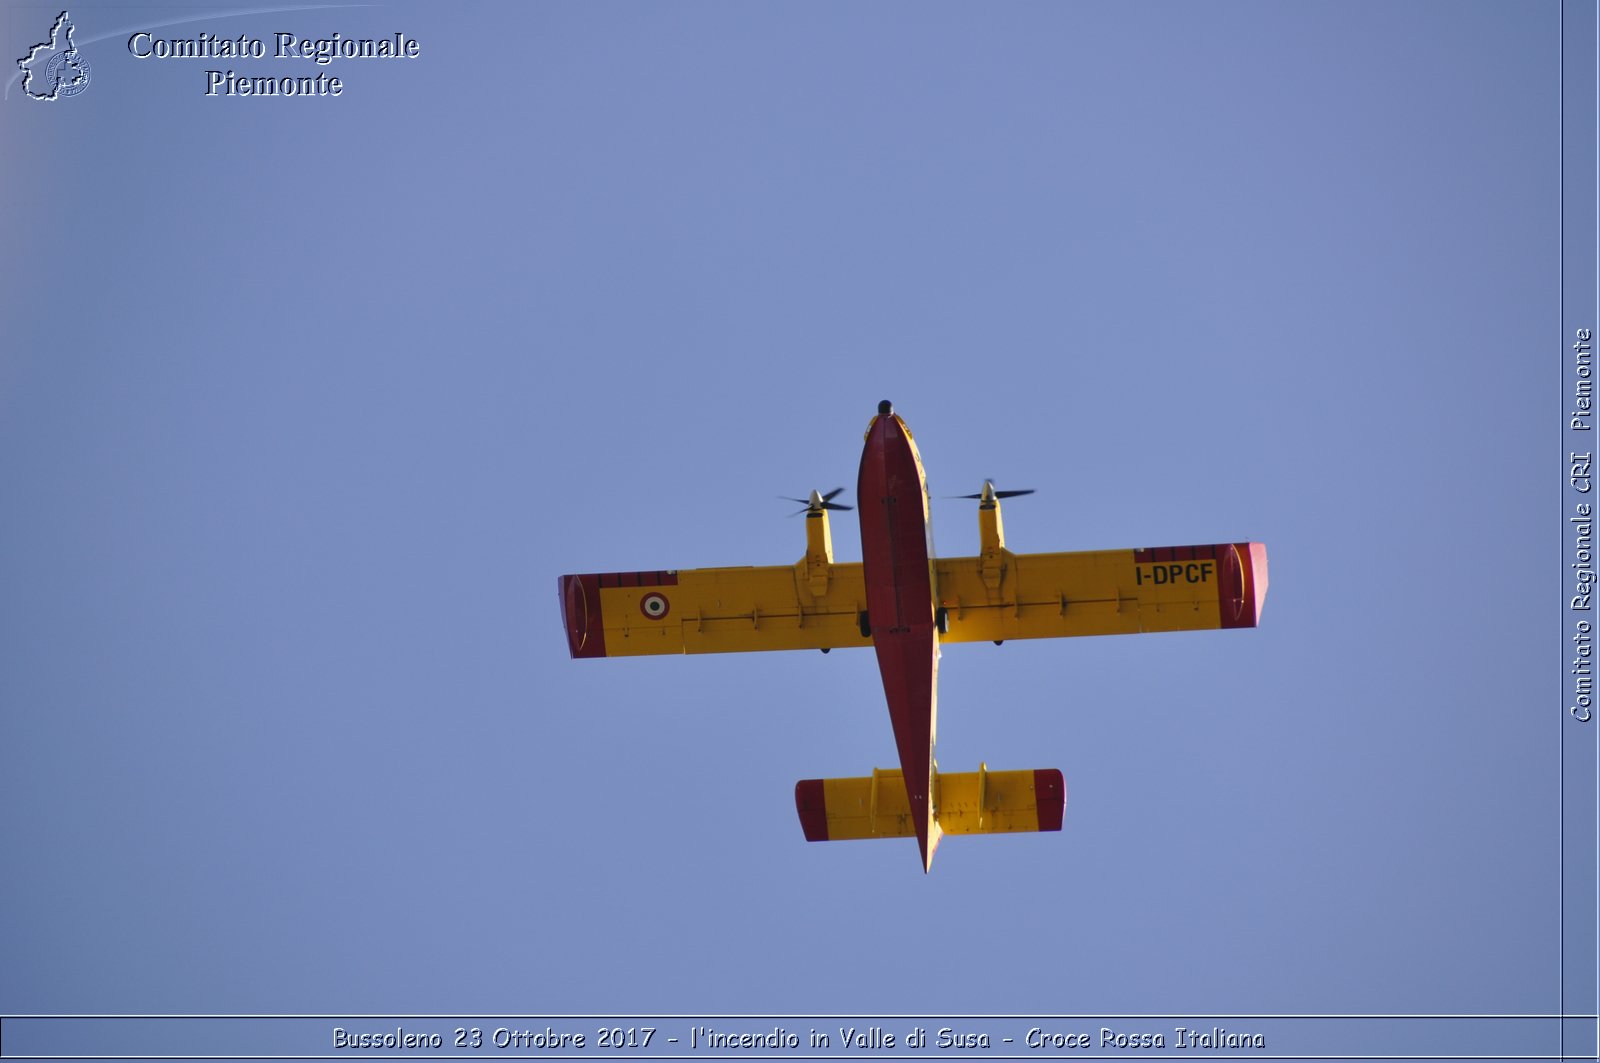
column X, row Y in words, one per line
column 306, row 403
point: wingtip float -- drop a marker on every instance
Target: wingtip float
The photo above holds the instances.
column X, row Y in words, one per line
column 904, row 602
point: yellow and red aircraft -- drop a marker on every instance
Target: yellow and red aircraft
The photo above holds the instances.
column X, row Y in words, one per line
column 904, row 602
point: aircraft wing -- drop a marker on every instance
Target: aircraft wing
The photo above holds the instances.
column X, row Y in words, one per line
column 714, row 610
column 1003, row 595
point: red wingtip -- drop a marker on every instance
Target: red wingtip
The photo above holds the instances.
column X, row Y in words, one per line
column 1258, row 575
column 580, row 613
column 812, row 805
column 1050, row 797
column 1243, row 576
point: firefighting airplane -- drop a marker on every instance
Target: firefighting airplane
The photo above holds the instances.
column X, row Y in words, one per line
column 904, row 602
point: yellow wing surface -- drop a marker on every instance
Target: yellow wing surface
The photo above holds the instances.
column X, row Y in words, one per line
column 713, row 610
column 999, row 595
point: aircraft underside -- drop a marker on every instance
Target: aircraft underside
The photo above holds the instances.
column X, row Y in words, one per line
column 893, row 495
column 904, row 602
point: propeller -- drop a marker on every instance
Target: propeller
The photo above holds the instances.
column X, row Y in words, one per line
column 988, row 495
column 816, row 502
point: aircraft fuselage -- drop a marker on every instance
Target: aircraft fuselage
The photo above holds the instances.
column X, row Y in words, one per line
column 896, row 556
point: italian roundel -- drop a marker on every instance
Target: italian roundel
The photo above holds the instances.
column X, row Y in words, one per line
column 654, row 606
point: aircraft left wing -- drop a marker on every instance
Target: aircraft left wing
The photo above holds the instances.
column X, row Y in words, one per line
column 1001, row 595
column 714, row 610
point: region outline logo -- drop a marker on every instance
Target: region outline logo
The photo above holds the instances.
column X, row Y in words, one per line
column 66, row 72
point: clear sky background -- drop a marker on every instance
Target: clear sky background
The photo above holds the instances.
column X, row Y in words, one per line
column 306, row 403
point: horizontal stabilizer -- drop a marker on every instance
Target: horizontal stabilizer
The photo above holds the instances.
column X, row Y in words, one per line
column 972, row 802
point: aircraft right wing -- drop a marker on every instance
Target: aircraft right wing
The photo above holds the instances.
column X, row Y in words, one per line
column 714, row 610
